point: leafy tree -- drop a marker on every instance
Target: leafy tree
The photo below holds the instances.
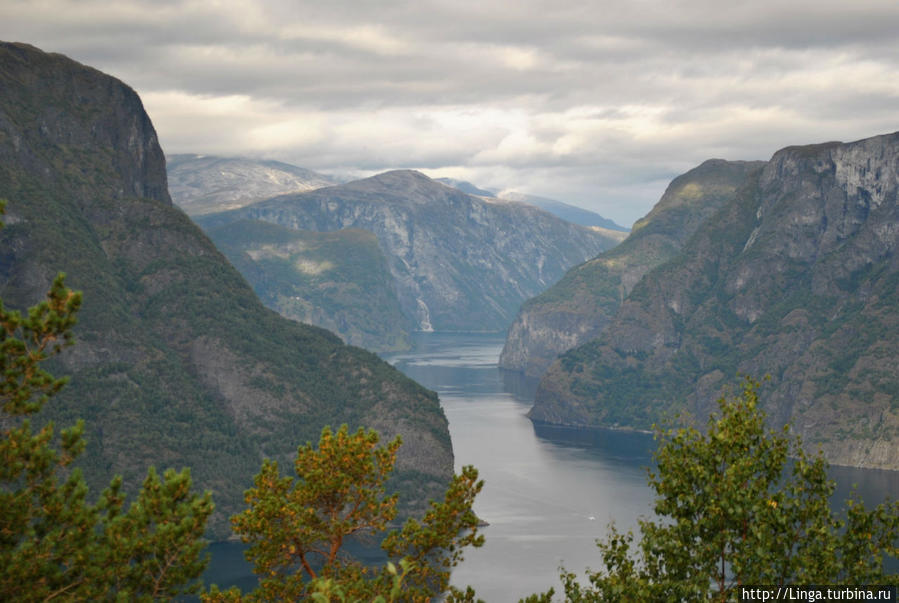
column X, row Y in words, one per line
column 733, row 510
column 54, row 544
column 296, row 527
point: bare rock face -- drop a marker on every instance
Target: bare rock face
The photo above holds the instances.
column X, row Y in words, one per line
column 579, row 307
column 459, row 262
column 177, row 363
column 795, row 277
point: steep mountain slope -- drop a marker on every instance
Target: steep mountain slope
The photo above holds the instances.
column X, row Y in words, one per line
column 578, row 307
column 177, row 363
column 335, row 280
column 200, row 184
column 796, row 277
column 460, row 263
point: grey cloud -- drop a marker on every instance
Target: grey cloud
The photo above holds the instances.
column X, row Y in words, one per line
column 591, row 102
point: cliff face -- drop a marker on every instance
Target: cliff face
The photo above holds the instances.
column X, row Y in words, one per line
column 579, row 307
column 795, row 277
column 177, row 363
column 459, row 263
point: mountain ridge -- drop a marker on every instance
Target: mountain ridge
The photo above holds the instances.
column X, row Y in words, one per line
column 207, row 183
column 460, row 263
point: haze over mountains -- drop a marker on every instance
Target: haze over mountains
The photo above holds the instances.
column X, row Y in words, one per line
column 571, row 213
column 177, row 363
column 794, row 275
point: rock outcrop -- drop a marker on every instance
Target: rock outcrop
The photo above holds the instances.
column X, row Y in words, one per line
column 796, row 277
column 579, row 307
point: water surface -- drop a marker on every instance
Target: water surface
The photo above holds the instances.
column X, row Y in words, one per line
column 549, row 493
column 546, row 501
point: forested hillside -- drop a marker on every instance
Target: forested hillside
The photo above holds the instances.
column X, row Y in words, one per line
column 177, row 363
column 796, row 276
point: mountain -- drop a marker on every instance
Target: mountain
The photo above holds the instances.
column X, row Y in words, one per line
column 200, row 184
column 578, row 307
column 459, row 262
column 796, row 277
column 571, row 213
column 177, row 363
column 466, row 187
column 335, row 280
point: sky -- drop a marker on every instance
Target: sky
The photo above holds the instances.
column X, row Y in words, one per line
column 595, row 103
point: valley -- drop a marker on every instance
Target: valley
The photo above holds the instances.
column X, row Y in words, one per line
column 235, row 306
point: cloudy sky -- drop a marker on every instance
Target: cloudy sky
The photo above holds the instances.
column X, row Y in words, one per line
column 598, row 103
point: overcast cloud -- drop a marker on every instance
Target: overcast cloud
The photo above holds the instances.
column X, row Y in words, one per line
column 595, row 103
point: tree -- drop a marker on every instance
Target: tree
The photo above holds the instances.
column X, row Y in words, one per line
column 296, row 527
column 733, row 509
column 53, row 542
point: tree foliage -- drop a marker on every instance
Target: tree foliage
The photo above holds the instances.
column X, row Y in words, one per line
column 296, row 527
column 54, row 543
column 738, row 505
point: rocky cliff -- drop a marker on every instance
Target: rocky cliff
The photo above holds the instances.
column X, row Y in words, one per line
column 177, row 363
column 580, row 306
column 796, row 277
column 459, row 262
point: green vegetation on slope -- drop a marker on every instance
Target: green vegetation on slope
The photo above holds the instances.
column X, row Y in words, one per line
column 794, row 277
column 335, row 280
column 580, row 306
column 178, row 362
column 54, row 541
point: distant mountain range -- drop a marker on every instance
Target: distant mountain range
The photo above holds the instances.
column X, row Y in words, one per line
column 458, row 262
column 574, row 214
column 794, row 274
column 200, row 184
column 570, row 213
column 177, row 363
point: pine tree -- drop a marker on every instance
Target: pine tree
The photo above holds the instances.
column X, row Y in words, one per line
column 296, row 527
column 739, row 505
column 55, row 543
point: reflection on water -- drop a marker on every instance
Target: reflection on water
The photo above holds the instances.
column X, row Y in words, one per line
column 550, row 492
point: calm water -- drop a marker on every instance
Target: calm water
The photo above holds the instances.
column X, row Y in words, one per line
column 549, row 494
column 546, row 502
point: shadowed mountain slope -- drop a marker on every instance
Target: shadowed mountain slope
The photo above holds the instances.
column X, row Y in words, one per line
column 177, row 363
